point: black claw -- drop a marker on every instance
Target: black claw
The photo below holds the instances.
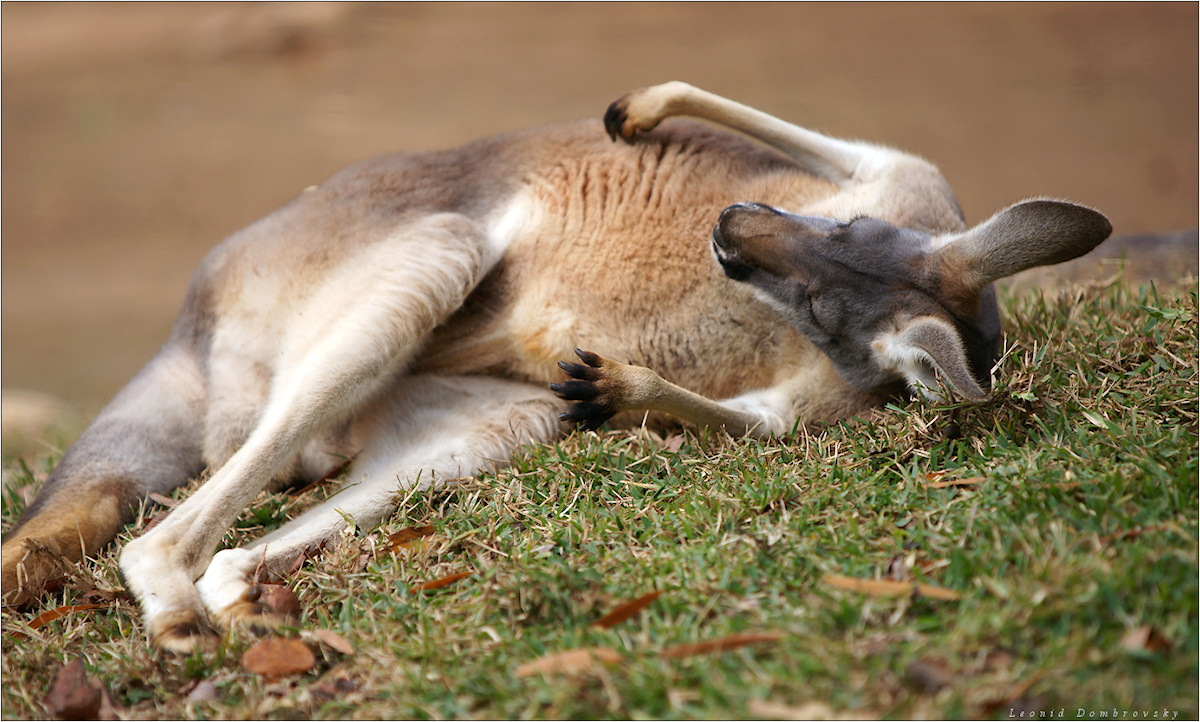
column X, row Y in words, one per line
column 588, row 416
column 579, row 371
column 615, row 119
column 589, row 358
column 575, row 390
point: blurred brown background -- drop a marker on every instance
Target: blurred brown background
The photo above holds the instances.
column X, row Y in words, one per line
column 136, row 136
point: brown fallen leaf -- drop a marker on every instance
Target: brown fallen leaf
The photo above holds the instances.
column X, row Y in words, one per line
column 884, row 588
column 73, row 696
column 627, row 610
column 408, row 538
column 57, row 613
column 1144, row 639
column 279, row 599
column 719, row 645
column 70, row 695
column 278, row 657
column 333, row 640
column 572, row 662
column 971, row 481
column 296, row 564
column 439, row 583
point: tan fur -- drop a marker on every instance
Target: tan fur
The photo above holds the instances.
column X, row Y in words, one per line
column 409, row 313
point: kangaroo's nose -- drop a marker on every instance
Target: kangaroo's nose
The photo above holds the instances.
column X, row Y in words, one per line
column 738, row 208
column 736, row 220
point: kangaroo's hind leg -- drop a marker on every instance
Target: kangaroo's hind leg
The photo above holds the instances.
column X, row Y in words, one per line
column 430, row 429
column 340, row 349
column 148, row 439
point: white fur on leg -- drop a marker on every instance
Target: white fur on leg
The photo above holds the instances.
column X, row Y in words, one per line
column 429, row 430
column 227, row 578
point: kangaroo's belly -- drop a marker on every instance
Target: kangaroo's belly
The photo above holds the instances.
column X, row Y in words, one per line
column 650, row 295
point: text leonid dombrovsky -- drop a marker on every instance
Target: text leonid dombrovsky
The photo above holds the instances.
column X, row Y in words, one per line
column 1084, row 713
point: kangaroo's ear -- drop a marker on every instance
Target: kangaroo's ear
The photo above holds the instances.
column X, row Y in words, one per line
column 1028, row 234
column 925, row 344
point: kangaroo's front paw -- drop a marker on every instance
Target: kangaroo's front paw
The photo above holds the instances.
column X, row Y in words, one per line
column 598, row 391
column 642, row 110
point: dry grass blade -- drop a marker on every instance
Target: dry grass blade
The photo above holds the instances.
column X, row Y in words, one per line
column 572, row 662
column 439, row 583
column 720, row 645
column 883, row 588
column 627, row 610
column 971, row 481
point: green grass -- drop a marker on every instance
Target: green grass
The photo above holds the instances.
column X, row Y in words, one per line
column 1082, row 531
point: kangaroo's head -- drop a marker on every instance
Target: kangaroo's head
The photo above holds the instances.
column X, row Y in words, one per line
column 891, row 305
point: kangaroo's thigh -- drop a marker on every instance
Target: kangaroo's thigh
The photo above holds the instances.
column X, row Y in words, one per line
column 429, row 430
column 340, row 349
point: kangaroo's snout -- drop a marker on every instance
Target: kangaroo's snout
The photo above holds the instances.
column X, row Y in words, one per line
column 753, row 236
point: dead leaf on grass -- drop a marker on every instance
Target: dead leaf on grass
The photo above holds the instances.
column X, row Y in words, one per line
column 572, row 662
column 1144, row 639
column 276, row 657
column 333, row 640
column 57, row 613
column 720, row 645
column 627, row 610
column 884, row 588
column 154, row 520
column 73, row 696
column 409, row 538
column 439, row 583
column 279, row 599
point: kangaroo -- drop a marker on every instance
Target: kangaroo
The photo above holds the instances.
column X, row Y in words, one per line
column 416, row 314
